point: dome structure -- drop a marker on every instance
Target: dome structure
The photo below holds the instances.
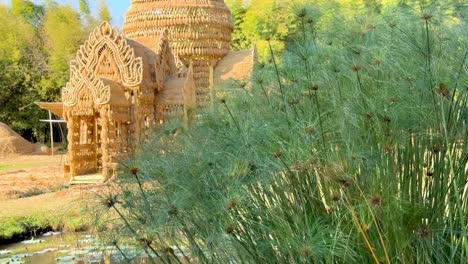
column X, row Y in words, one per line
column 197, row 29
column 199, row 32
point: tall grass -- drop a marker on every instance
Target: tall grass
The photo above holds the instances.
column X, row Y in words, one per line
column 351, row 147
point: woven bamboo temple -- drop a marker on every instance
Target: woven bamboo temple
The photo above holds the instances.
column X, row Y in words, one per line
column 123, row 85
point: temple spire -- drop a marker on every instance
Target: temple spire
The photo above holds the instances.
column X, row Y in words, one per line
column 199, row 32
column 198, row 29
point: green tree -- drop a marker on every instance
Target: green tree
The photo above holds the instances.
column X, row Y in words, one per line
column 19, row 74
column 239, row 40
column 28, row 10
column 63, row 34
column 268, row 19
column 89, row 21
column 104, row 13
column 38, row 41
column 84, row 7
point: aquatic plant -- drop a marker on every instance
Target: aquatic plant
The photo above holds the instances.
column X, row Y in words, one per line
column 357, row 156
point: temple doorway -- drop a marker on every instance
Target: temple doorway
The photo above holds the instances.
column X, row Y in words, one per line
column 88, row 150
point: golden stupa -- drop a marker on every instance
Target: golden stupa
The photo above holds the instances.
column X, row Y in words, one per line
column 199, row 32
column 197, row 29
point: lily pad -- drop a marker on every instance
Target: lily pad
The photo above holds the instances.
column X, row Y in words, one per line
column 52, row 233
column 15, row 259
column 65, row 259
column 79, row 252
column 47, row 250
column 21, row 256
column 86, row 240
column 32, row 241
column 11, row 261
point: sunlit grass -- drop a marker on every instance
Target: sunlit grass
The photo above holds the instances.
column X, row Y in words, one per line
column 19, row 166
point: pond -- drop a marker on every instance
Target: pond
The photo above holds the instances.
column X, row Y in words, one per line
column 58, row 248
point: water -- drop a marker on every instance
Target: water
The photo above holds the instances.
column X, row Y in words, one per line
column 57, row 248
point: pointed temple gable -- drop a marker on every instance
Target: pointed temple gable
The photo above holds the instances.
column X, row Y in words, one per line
column 107, row 54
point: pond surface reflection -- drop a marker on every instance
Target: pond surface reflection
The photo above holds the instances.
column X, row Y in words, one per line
column 58, row 248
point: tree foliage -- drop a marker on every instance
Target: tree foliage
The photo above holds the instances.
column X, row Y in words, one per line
column 104, row 13
column 63, row 33
column 84, row 7
column 239, row 39
column 268, row 19
column 28, row 10
column 19, row 74
column 37, row 44
column 259, row 20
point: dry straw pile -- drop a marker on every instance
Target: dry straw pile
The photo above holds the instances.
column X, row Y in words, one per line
column 11, row 143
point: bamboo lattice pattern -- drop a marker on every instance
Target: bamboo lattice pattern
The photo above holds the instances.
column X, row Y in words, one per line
column 198, row 31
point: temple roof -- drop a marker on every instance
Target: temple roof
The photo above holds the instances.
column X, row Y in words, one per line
column 117, row 93
column 55, row 108
column 237, row 65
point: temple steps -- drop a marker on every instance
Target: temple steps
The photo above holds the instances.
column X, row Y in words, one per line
column 87, row 179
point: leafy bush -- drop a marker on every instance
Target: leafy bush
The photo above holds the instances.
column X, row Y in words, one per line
column 22, row 227
column 10, row 229
column 25, row 227
column 350, row 149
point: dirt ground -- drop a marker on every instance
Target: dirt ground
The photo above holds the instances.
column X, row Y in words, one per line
column 22, row 174
column 35, row 184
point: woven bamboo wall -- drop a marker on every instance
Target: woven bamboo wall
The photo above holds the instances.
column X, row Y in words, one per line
column 198, row 31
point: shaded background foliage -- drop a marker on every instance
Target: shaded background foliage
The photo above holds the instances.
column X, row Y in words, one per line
column 37, row 44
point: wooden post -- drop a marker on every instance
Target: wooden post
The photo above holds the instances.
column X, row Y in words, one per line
column 71, row 141
column 189, row 96
column 51, row 133
column 105, row 141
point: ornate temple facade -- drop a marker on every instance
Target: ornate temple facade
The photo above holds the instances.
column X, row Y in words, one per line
column 110, row 102
column 124, row 84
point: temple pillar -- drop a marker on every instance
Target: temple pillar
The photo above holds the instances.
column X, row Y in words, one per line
column 105, row 141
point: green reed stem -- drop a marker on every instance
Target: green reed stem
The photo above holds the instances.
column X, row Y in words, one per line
column 304, row 44
column 232, row 116
column 278, row 78
column 361, row 90
column 322, row 131
column 429, row 71
column 134, row 233
column 195, row 244
column 277, row 73
column 454, row 93
column 361, row 230
column 145, row 199
column 122, row 253
column 265, row 93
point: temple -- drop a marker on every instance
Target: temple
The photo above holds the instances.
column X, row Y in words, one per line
column 123, row 85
